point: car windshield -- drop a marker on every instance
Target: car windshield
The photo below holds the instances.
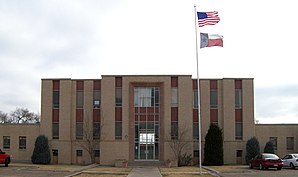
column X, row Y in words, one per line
column 270, row 156
column 295, row 155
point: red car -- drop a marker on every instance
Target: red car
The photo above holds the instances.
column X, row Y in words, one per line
column 265, row 161
column 4, row 158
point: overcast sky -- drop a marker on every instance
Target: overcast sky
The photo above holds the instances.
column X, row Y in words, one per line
column 84, row 39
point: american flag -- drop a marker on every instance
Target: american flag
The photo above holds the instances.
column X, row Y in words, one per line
column 208, row 18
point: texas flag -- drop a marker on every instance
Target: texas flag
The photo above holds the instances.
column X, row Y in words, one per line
column 210, row 40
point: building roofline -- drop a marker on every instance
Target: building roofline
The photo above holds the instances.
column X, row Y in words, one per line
column 281, row 124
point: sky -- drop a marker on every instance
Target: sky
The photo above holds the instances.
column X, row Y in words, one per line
column 84, row 39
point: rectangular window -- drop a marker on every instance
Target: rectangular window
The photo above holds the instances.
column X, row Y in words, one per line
column 239, row 131
column 195, row 98
column 146, row 97
column 79, row 130
column 213, row 99
column 96, row 153
column 239, row 153
column 55, row 152
column 174, row 130
column 274, row 141
column 56, row 98
column 290, row 143
column 238, row 98
column 118, row 130
column 118, row 96
column 79, row 153
column 22, row 142
column 6, row 142
column 96, row 130
column 55, row 129
column 96, row 99
column 80, row 99
column 174, row 97
column 195, row 130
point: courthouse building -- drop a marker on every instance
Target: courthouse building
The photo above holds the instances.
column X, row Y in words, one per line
column 137, row 117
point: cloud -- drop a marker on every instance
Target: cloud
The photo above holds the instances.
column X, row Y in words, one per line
column 279, row 103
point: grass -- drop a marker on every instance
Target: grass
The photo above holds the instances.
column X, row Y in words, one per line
column 187, row 175
column 182, row 169
column 229, row 168
column 99, row 175
column 107, row 169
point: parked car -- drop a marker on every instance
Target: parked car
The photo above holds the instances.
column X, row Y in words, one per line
column 4, row 158
column 290, row 160
column 265, row 161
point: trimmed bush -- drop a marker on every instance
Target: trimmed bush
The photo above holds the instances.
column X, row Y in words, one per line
column 41, row 153
column 252, row 149
column 269, row 148
column 213, row 146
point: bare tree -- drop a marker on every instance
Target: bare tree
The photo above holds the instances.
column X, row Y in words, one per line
column 91, row 137
column 178, row 141
column 23, row 115
column 3, row 117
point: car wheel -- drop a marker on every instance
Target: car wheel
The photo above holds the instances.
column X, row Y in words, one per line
column 261, row 167
column 6, row 162
column 292, row 166
column 279, row 168
column 250, row 166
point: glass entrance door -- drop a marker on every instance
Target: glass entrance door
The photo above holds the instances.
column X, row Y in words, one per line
column 147, row 146
column 146, row 114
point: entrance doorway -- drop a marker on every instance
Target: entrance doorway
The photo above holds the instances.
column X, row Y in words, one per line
column 146, row 120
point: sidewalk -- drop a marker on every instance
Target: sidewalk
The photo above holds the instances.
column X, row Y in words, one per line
column 144, row 172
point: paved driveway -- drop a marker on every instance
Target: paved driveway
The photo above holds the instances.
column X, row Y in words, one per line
column 262, row 173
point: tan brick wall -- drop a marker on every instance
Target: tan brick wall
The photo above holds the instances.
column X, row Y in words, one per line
column 31, row 131
column 112, row 149
column 281, row 131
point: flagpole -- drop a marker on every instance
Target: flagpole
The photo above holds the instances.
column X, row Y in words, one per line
column 199, row 102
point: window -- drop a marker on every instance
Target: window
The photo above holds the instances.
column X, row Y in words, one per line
column 118, row 130
column 6, row 142
column 174, row 130
column 174, row 99
column 238, row 98
column 118, row 96
column 96, row 99
column 146, row 97
column 96, row 130
column 55, row 129
column 195, row 98
column 96, row 93
column 147, row 138
column 22, row 142
column 239, row 153
column 79, row 153
column 96, row 153
column 79, row 130
column 80, row 99
column 55, row 152
column 195, row 131
column 213, row 98
column 56, row 99
column 239, row 131
column 290, row 143
column 274, row 141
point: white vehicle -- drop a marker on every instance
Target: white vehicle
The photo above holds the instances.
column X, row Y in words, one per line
column 290, row 160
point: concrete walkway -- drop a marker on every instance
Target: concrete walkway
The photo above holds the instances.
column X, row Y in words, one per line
column 144, row 172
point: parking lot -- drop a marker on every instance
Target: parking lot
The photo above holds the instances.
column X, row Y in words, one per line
column 29, row 170
column 244, row 171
